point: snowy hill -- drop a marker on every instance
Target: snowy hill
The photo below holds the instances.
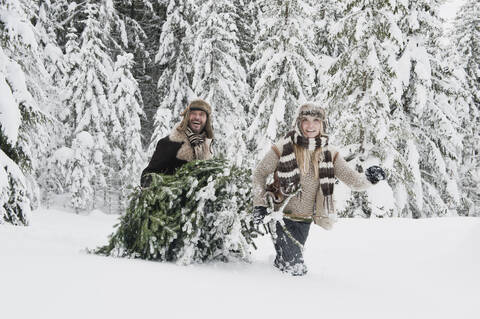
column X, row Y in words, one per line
column 377, row 268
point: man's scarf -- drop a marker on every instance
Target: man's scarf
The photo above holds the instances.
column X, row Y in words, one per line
column 289, row 173
column 196, row 140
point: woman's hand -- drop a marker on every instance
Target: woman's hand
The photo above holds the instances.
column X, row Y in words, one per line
column 375, row 174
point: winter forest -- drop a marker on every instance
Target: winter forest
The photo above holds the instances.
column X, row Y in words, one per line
column 88, row 87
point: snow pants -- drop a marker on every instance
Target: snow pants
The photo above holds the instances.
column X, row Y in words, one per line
column 289, row 242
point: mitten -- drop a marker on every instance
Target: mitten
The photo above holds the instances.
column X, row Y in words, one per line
column 375, row 174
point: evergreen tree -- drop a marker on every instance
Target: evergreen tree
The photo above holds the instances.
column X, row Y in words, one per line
column 326, row 48
column 20, row 116
column 163, row 125
column 361, row 95
column 47, row 26
column 137, row 27
column 127, row 152
column 72, row 64
column 466, row 40
column 81, row 171
column 60, row 15
column 327, row 16
column 174, row 55
column 14, row 201
column 219, row 77
column 246, row 21
column 89, row 108
column 430, row 103
column 29, row 55
column 56, row 174
column 284, row 69
column 200, row 214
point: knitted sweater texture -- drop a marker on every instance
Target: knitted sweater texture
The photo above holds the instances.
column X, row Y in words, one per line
column 310, row 200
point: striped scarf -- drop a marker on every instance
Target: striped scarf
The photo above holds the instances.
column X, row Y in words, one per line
column 196, row 140
column 289, row 173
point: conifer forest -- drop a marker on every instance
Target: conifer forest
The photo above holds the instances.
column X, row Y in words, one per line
column 88, row 87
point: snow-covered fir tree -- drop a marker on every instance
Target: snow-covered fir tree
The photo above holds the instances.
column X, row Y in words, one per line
column 465, row 37
column 430, row 104
column 87, row 103
column 46, row 27
column 138, row 28
column 72, row 63
column 219, row 77
column 53, row 177
column 127, row 152
column 82, row 171
column 326, row 48
column 396, row 95
column 247, row 12
column 48, row 23
column 59, row 16
column 326, row 15
column 199, row 214
column 14, row 199
column 35, row 136
column 22, row 123
column 246, row 20
column 284, row 69
column 361, row 95
column 174, row 54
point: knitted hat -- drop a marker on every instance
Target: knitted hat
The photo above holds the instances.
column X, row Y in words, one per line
column 310, row 109
column 198, row 105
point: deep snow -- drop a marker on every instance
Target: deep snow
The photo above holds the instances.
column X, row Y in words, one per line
column 377, row 268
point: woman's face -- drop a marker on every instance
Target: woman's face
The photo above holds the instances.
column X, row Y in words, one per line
column 311, row 126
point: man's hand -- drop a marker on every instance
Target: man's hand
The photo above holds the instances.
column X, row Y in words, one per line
column 375, row 174
column 259, row 213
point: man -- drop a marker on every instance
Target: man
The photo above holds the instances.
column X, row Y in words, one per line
column 189, row 140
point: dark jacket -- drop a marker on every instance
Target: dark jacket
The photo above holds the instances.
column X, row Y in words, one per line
column 171, row 153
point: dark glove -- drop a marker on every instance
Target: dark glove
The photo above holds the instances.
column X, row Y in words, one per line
column 375, row 174
column 259, row 213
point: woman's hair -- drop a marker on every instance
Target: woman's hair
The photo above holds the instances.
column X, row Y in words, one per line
column 305, row 157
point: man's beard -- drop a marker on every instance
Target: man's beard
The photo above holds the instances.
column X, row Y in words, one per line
column 197, row 131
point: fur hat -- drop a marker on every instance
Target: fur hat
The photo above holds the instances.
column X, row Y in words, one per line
column 310, row 109
column 198, row 104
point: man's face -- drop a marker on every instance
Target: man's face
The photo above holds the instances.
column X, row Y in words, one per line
column 197, row 120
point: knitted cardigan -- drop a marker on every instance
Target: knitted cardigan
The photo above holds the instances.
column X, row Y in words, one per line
column 310, row 200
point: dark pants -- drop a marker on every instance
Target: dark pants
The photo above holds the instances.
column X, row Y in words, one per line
column 290, row 250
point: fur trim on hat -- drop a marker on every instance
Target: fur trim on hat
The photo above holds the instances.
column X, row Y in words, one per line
column 198, row 104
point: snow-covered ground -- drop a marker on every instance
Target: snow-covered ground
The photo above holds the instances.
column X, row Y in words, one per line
column 378, row 268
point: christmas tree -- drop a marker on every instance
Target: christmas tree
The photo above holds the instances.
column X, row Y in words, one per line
column 200, row 214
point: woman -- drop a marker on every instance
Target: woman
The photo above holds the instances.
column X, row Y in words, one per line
column 305, row 168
